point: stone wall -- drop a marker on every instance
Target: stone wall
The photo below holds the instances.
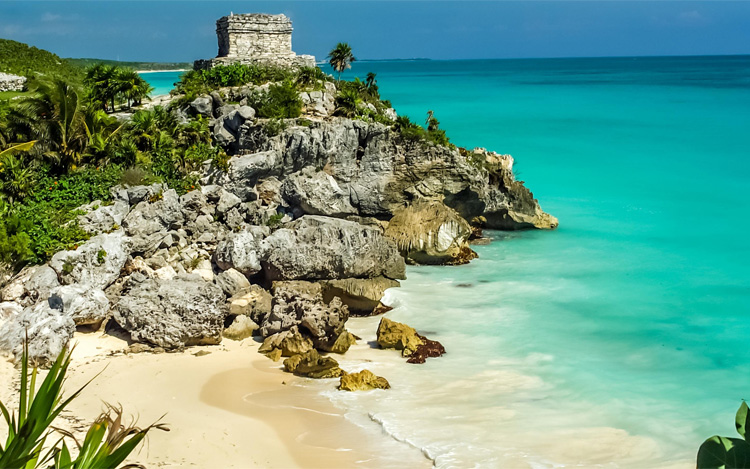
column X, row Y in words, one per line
column 11, row 82
column 255, row 38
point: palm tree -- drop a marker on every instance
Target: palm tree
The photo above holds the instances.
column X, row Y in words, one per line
column 101, row 79
column 348, row 103
column 370, row 80
column 341, row 58
column 16, row 179
column 54, row 116
column 131, row 85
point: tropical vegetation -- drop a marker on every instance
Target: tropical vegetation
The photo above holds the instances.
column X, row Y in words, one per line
column 340, row 58
column 108, row 442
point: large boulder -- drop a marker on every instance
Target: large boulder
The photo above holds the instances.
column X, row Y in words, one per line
column 417, row 348
column 47, row 329
column 97, row 262
column 289, row 342
column 232, row 282
column 32, row 284
column 316, row 248
column 241, row 328
column 84, row 304
column 428, row 232
column 364, row 380
column 317, row 193
column 8, row 311
column 203, row 105
column 245, row 171
column 312, row 365
column 149, row 221
column 322, row 323
column 182, row 311
column 360, row 295
column 239, row 251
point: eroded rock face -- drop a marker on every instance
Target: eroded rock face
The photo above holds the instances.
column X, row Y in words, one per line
column 364, row 380
column 97, row 262
column 32, row 284
column 314, row 247
column 360, row 295
column 239, row 251
column 241, row 328
column 322, row 323
column 185, row 310
column 254, row 302
column 428, row 232
column 314, row 192
column 48, row 330
column 290, row 342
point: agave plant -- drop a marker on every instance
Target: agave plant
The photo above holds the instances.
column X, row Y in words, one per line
column 723, row 452
column 31, row 425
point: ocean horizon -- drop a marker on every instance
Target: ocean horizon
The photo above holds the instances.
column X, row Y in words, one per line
column 617, row 340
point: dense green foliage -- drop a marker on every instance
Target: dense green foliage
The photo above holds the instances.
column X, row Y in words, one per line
column 107, row 443
column 281, row 101
column 109, row 85
column 723, row 452
column 152, row 66
column 412, row 132
column 20, row 59
column 197, row 82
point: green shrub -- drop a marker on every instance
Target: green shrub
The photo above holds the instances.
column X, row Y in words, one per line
column 281, row 101
column 101, row 256
column 275, row 220
column 197, row 82
column 274, row 127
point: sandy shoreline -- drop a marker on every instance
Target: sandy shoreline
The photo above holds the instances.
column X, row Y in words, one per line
column 231, row 408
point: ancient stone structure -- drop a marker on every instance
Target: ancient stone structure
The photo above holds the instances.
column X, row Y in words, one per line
column 11, row 82
column 255, row 38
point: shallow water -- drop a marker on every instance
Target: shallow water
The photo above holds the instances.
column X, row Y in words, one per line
column 618, row 340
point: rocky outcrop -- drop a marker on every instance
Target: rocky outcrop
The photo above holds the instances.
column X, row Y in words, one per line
column 289, row 342
column 312, row 365
column 314, row 192
column 32, row 284
column 47, row 329
column 10, row 82
column 185, row 310
column 254, row 302
column 322, row 323
column 360, row 295
column 239, row 251
column 385, row 173
column 314, row 247
column 401, row 337
column 364, row 380
column 241, row 328
column 428, row 232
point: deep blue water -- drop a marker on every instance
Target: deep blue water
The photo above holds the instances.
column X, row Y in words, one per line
column 620, row 339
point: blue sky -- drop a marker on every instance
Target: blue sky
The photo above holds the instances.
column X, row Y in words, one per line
column 184, row 31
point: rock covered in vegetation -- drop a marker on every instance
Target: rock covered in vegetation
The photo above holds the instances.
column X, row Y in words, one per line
column 312, row 365
column 315, row 247
column 364, row 380
column 185, row 310
column 48, row 332
column 98, row 262
column 428, row 232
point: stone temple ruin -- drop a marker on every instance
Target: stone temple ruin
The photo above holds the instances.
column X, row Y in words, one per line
column 255, row 39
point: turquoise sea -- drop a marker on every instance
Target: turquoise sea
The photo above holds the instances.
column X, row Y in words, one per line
column 618, row 340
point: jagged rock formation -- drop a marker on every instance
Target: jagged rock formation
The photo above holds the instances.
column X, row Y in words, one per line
column 362, row 381
column 299, row 230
